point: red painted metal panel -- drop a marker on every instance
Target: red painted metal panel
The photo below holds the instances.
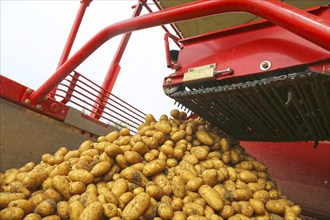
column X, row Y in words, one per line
column 244, row 49
column 306, row 25
column 302, row 172
column 19, row 94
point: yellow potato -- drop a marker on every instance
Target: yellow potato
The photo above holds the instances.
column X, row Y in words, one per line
column 32, row 216
column 75, row 210
column 11, row 213
column 119, row 187
column 210, row 177
column 154, row 191
column 77, row 187
column 24, row 204
column 247, row 176
column 113, row 150
column 133, row 157
column 246, row 208
column 35, row 178
column 194, row 184
column 134, row 176
column 62, row 209
column 136, row 207
column 165, row 210
column 46, row 208
column 61, row 169
column 211, row 197
column 275, row 206
column 227, row 212
column 177, row 136
column 178, row 187
column 163, row 126
column 258, row 206
column 81, row 175
column 192, row 208
column 88, row 198
column 6, row 198
column 100, row 168
column 93, row 211
column 110, row 210
column 154, row 167
column 62, row 185
column 242, row 194
column 112, row 136
column 204, row 137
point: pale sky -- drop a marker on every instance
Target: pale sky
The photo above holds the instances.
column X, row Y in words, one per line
column 33, row 34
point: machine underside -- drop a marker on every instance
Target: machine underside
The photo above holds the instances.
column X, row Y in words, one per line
column 283, row 107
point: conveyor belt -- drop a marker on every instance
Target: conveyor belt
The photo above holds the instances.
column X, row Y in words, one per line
column 289, row 107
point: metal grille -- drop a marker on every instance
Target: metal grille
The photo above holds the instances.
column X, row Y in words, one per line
column 292, row 107
column 83, row 94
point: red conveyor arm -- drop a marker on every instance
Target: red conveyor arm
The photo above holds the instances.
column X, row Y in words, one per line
column 302, row 23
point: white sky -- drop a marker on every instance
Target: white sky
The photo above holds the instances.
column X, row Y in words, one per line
column 33, row 34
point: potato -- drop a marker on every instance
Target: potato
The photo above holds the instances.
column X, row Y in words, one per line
column 258, row 206
column 179, row 215
column 12, row 213
column 154, row 191
column 32, row 216
column 75, row 209
column 204, row 137
column 34, row 178
column 62, row 209
column 114, row 135
column 191, row 208
column 61, row 184
column 88, row 198
column 227, row 212
column 296, row 209
column 25, row 205
column 210, row 177
column 275, row 206
column 211, row 197
column 165, row 210
column 194, row 184
column 93, row 211
column 61, row 169
column 113, row 150
column 199, row 152
column 77, row 187
column 81, row 175
column 261, row 195
column 134, row 176
column 246, row 208
column 100, row 168
column 136, row 207
column 242, row 194
column 6, row 198
column 163, row 126
column 154, row 167
column 46, row 207
column 51, row 217
column 110, row 210
column 289, row 214
column 178, row 187
column 133, row 157
column 247, row 176
column 178, row 135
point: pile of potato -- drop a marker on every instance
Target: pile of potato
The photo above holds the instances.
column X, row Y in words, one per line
column 171, row 169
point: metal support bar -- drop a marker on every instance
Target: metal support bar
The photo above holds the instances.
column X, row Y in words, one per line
column 72, row 35
column 113, row 71
column 308, row 26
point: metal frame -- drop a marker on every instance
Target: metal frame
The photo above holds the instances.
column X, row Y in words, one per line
column 302, row 23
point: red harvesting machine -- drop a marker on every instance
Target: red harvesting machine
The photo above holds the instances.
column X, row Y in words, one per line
column 257, row 69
